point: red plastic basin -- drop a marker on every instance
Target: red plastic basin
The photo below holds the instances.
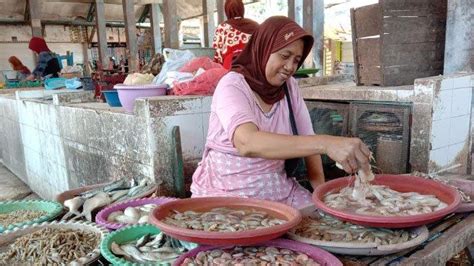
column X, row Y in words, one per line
column 249, row 237
column 401, row 183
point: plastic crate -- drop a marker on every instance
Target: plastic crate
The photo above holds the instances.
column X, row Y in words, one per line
column 87, row 83
column 22, row 84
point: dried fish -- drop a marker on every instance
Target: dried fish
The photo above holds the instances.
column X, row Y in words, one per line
column 327, row 228
column 149, row 248
column 19, row 216
column 50, row 246
column 223, row 220
column 251, row 256
column 116, row 191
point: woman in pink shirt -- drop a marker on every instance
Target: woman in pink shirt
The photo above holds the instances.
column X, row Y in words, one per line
column 250, row 133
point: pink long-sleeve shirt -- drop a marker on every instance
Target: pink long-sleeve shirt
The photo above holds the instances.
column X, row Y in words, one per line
column 222, row 171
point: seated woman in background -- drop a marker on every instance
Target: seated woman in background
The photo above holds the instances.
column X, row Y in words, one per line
column 250, row 134
column 232, row 35
column 18, row 66
column 48, row 64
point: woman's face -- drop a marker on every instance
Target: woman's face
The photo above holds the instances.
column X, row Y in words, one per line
column 283, row 63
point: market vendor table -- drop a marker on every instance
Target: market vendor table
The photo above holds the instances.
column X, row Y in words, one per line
column 447, row 238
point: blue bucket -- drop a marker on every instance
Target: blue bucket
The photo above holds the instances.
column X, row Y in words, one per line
column 111, row 97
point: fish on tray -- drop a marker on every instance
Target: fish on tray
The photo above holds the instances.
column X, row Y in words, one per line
column 363, row 197
column 323, row 227
column 223, row 220
column 250, row 256
column 149, row 248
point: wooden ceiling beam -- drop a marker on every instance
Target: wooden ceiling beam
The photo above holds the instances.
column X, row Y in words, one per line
column 111, row 2
column 145, row 13
column 91, row 12
column 26, row 13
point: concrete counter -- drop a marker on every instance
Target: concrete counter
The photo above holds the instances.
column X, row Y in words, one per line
column 59, row 140
column 441, row 128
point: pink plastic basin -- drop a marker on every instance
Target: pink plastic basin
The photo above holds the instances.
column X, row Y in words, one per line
column 321, row 256
column 274, row 209
column 401, row 183
column 128, row 93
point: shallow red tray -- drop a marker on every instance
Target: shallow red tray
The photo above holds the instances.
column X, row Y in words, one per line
column 275, row 209
column 400, row 183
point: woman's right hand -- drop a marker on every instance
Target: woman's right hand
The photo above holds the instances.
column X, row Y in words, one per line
column 351, row 153
column 30, row 77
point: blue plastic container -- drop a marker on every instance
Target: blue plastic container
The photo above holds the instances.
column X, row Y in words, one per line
column 54, row 83
column 111, row 97
column 87, row 83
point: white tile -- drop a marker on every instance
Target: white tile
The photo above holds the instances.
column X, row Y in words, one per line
column 440, row 134
column 447, row 84
column 453, row 151
column 462, row 82
column 459, row 129
column 442, row 105
column 439, row 156
column 462, row 99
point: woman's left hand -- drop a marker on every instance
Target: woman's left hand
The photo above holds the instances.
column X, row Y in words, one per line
column 30, row 77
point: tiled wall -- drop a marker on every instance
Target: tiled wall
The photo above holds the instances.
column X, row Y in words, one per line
column 450, row 133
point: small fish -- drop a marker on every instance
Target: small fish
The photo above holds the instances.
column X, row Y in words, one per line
column 143, row 240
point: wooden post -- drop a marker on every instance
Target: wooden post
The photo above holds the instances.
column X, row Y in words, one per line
column 170, row 15
column 101, row 32
column 35, row 18
column 292, row 9
column 85, row 54
column 220, row 11
column 208, row 7
column 131, row 33
column 155, row 26
column 313, row 22
column 459, row 47
column 354, row 48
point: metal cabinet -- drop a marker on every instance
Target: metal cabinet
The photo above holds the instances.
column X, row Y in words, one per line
column 384, row 127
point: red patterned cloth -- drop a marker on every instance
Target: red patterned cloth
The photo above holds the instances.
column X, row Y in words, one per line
column 227, row 42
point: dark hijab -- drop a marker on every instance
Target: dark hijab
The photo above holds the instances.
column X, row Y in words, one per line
column 272, row 35
column 234, row 11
